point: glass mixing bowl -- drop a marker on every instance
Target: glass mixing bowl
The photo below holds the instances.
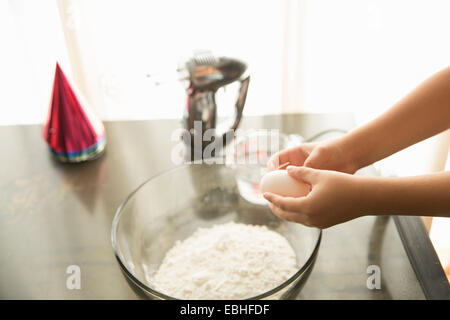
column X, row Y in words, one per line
column 172, row 205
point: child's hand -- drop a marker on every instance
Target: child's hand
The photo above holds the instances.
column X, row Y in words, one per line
column 327, row 155
column 296, row 156
column 334, row 198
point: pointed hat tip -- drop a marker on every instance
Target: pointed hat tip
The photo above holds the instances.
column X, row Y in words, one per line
column 58, row 71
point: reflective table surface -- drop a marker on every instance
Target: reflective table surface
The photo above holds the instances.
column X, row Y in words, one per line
column 56, row 215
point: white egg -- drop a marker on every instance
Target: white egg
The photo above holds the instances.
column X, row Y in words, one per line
column 281, row 183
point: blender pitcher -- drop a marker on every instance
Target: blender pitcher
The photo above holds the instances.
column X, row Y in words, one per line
column 205, row 75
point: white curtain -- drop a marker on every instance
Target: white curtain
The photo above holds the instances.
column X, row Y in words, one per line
column 31, row 41
column 126, row 52
column 115, row 52
column 364, row 55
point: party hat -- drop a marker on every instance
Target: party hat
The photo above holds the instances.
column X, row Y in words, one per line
column 72, row 131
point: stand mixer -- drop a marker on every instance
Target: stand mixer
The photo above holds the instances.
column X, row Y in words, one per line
column 204, row 74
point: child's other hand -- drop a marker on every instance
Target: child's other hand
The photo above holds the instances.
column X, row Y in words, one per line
column 296, row 156
column 327, row 155
column 334, row 198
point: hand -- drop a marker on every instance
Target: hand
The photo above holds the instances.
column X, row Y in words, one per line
column 328, row 155
column 334, row 198
column 296, row 156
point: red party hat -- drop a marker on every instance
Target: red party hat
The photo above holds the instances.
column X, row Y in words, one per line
column 72, row 131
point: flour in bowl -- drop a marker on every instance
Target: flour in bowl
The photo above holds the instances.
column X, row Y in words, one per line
column 227, row 261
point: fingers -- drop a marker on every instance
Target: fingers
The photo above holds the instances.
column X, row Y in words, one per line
column 287, row 208
column 295, row 155
column 277, row 159
column 285, row 203
column 289, row 216
column 272, row 163
column 305, row 174
column 310, row 163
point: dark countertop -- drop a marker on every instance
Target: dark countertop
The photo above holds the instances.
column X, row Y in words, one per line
column 54, row 215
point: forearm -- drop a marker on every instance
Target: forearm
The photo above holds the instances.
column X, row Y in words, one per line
column 427, row 195
column 420, row 115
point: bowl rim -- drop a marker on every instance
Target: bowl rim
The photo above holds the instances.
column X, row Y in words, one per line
column 143, row 286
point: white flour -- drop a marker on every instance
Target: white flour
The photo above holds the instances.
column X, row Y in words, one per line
column 227, row 261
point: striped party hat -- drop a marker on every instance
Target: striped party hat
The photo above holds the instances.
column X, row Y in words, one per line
column 72, row 131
